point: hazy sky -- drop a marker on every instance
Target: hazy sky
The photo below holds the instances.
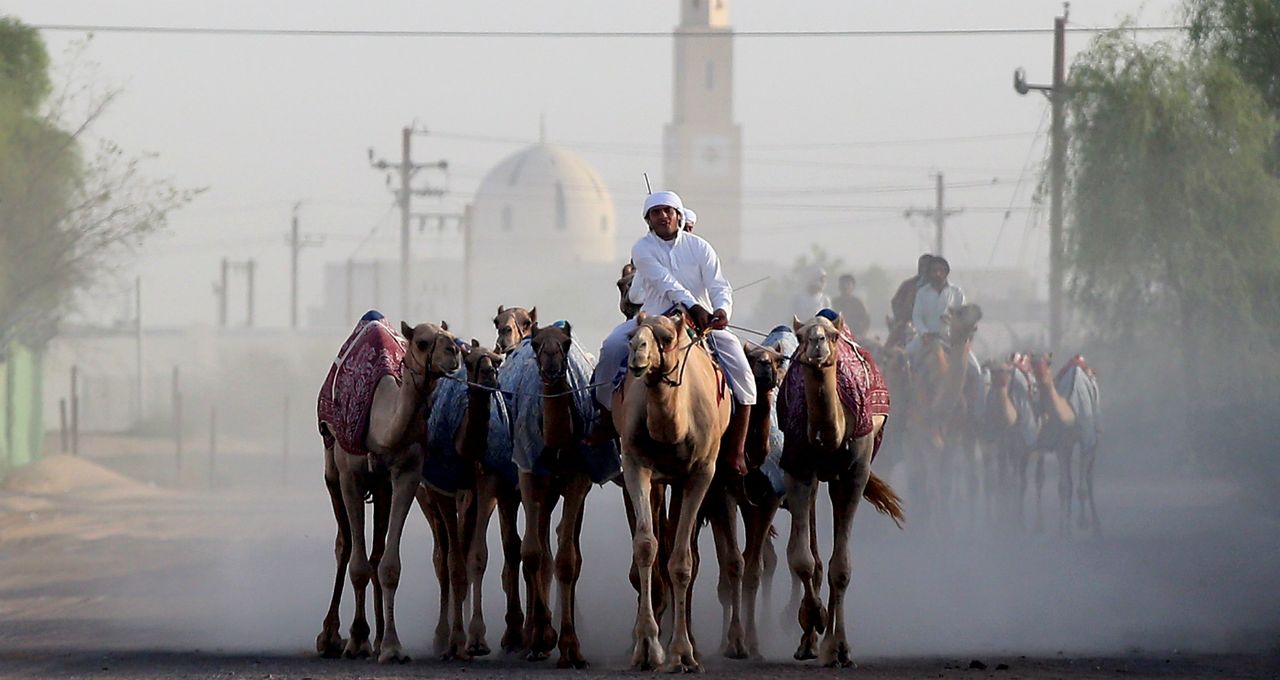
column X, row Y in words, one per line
column 266, row 121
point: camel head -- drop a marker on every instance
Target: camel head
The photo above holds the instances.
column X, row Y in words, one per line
column 768, row 365
column 432, row 350
column 653, row 344
column 482, row 364
column 1041, row 368
column 963, row 321
column 628, row 308
column 551, row 350
column 1001, row 374
column 818, row 338
column 514, row 324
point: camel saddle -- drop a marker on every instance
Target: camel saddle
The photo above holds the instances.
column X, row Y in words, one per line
column 372, row 351
column 861, row 389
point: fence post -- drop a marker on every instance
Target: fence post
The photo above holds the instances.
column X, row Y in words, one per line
column 177, row 422
column 75, row 410
column 62, row 425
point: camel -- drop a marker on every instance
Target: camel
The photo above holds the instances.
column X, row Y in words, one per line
column 469, row 473
column 514, row 325
column 1011, row 425
column 832, row 410
column 670, row 414
column 1070, row 408
column 389, row 470
column 939, row 413
column 548, row 380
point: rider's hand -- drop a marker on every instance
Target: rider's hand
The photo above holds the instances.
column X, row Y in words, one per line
column 701, row 317
column 720, row 320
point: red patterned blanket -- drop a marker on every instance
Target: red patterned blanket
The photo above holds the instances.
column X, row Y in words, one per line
column 1077, row 361
column 373, row 352
column 862, row 390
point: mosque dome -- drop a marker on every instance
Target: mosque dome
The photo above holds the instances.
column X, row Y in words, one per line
column 543, row 204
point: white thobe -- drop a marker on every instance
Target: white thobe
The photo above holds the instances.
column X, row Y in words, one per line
column 932, row 304
column 682, row 271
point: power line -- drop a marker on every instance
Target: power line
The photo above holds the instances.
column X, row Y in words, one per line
column 405, row 33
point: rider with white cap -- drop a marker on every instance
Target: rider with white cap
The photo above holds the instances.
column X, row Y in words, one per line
column 677, row 267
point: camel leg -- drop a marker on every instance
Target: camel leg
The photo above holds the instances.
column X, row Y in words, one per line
column 756, row 522
column 381, row 517
column 508, row 515
column 477, row 541
column 569, row 567
column 1089, row 456
column 667, row 534
column 818, row 565
column 329, row 642
column 1040, row 456
column 1064, row 490
column 539, row 500
column 845, row 494
column 720, row 508
column 680, row 655
column 662, row 596
column 648, row 654
column 769, row 561
column 456, row 569
column 440, row 561
column 404, row 484
column 360, row 570
column 800, row 555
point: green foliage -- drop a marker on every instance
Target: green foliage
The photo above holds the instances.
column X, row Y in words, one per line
column 1246, row 34
column 1174, row 213
column 65, row 216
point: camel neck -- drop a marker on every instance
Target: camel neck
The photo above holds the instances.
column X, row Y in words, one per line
column 826, row 413
column 475, row 433
column 664, row 407
column 1052, row 403
column 760, row 426
column 557, row 414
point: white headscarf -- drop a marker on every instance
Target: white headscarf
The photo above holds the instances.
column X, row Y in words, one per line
column 690, row 217
column 667, row 198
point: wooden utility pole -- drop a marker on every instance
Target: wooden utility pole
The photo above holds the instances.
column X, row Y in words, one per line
column 1057, row 94
column 249, row 268
column 220, row 289
column 404, row 193
column 296, row 243
column 938, row 213
column 137, row 318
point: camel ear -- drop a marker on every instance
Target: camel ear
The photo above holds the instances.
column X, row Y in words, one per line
column 839, row 324
column 406, row 330
column 777, row 347
column 444, row 325
column 501, row 309
column 795, row 323
column 475, row 343
column 640, row 317
column 568, row 330
column 747, row 346
column 533, row 315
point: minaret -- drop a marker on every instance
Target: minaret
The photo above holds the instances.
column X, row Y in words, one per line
column 702, row 145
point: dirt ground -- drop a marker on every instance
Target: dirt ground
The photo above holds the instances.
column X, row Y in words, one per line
column 113, row 568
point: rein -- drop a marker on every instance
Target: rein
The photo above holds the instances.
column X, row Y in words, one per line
column 513, row 393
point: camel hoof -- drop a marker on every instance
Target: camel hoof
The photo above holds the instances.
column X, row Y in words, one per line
column 392, row 654
column 478, row 649
column 835, row 654
column 735, row 650
column 329, row 645
column 572, row 661
column 536, row 655
column 685, row 664
column 648, row 655
column 357, row 649
column 512, row 640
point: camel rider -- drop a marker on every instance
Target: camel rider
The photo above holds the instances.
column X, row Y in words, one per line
column 904, row 299
column 690, row 219
column 933, row 301
column 676, row 267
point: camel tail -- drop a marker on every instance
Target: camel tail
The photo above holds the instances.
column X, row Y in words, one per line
column 884, row 499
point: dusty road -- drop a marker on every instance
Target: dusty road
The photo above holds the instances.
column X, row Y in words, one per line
column 106, row 576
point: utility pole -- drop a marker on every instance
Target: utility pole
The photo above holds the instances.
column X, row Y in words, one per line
column 220, row 289
column 137, row 329
column 404, row 193
column 249, row 267
column 296, row 243
column 1057, row 94
column 938, row 213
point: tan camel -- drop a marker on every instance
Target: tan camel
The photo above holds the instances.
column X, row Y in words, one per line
column 1063, row 430
column 829, row 450
column 938, row 414
column 1010, row 419
column 513, row 324
column 460, row 522
column 390, row 473
column 539, row 495
column 670, row 414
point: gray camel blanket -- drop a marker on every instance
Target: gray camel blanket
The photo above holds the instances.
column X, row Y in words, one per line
column 522, row 388
column 442, row 467
column 781, row 335
column 1077, row 384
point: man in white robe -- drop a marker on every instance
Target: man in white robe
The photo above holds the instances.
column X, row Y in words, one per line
column 676, row 267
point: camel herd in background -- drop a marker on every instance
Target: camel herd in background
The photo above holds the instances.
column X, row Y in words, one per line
column 472, row 416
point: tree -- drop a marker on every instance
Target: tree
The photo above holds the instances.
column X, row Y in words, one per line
column 1245, row 33
column 64, row 218
column 1175, row 224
